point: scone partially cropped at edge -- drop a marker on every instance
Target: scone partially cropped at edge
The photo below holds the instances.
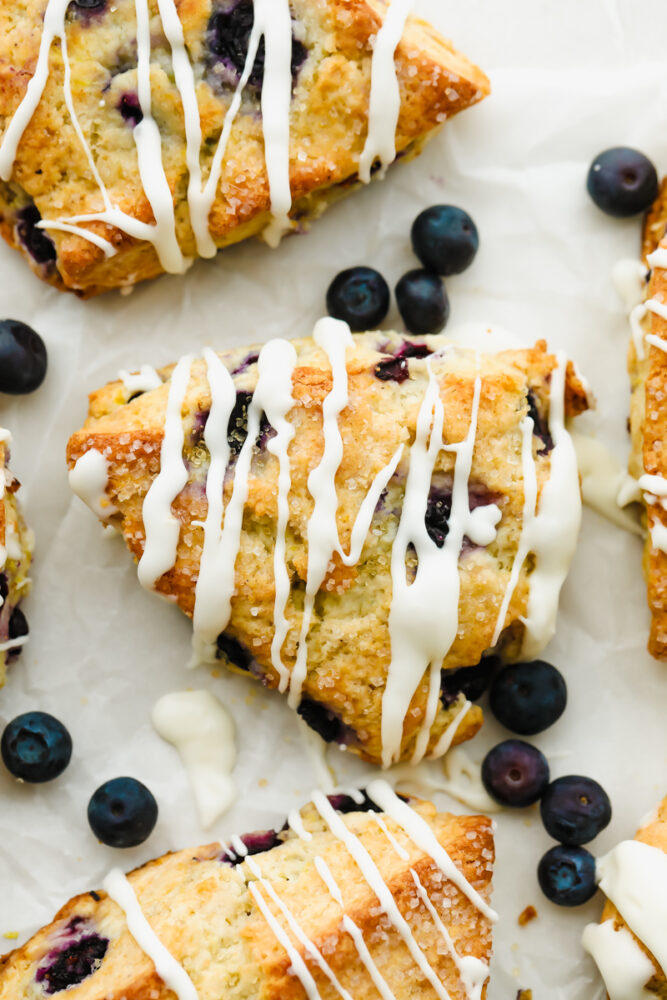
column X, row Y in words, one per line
column 629, row 945
column 16, row 544
column 392, row 509
column 151, row 152
column 342, row 903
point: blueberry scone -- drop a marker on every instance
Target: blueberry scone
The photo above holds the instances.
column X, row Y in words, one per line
column 16, row 543
column 630, row 944
column 137, row 135
column 348, row 518
column 353, row 898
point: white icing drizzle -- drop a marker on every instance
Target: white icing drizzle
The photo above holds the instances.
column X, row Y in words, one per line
column 168, row 969
column 447, row 738
column 655, row 488
column 161, row 527
column 604, row 480
column 385, row 96
column 658, row 258
column 624, row 967
column 658, row 342
column 657, row 308
column 656, row 485
column 629, row 278
column 203, row 732
column 88, row 479
column 637, row 317
column 142, row 381
column 295, row 823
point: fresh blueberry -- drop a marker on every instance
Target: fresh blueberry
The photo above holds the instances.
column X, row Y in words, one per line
column 622, row 182
column 528, row 697
column 232, row 650
column 392, row 370
column 22, row 358
column 422, row 302
column 39, row 245
column 36, row 747
column 255, row 843
column 228, row 36
column 575, row 809
column 360, row 297
column 325, row 722
column 515, row 773
column 445, row 239
column 567, row 875
column 130, row 108
column 68, row 967
column 122, row 812
column 469, row 681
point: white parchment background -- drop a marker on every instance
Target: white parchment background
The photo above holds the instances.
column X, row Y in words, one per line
column 570, row 78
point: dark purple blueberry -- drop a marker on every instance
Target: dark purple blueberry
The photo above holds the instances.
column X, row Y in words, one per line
column 89, row 4
column 250, row 359
column 4, row 587
column 445, row 239
column 68, row 967
column 122, row 812
column 347, row 803
column 392, row 370
column 256, row 843
column 527, row 698
column 228, row 37
column 18, row 624
column 36, row 747
column 469, row 681
column 515, row 773
column 130, row 108
column 567, row 875
column 40, row 246
column 422, row 302
column 575, row 809
column 237, row 428
column 540, row 424
column 410, row 350
column 23, row 359
column 234, row 651
column 325, row 722
column 360, row 297
column 622, row 182
column 438, row 509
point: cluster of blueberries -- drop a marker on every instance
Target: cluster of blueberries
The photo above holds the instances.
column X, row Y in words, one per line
column 445, row 240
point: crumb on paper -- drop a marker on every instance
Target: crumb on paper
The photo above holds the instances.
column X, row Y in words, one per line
column 524, row 995
column 263, row 782
column 526, row 916
column 11, row 935
column 216, row 672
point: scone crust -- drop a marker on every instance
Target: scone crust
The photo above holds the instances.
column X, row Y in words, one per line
column 16, row 543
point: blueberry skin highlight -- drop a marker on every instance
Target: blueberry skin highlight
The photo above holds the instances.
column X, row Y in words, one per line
column 575, row 809
column 422, row 302
column 527, row 698
column 23, row 359
column 122, row 812
column 360, row 297
column 567, row 875
column 36, row 747
column 622, row 182
column 445, row 239
column 515, row 773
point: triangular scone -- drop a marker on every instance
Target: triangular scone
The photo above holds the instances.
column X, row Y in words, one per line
column 354, row 905
column 634, row 876
column 16, row 543
column 328, row 68
column 343, row 592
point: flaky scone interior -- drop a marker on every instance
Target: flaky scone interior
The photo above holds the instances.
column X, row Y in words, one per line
column 156, row 132
column 349, row 519
column 16, row 545
column 351, row 899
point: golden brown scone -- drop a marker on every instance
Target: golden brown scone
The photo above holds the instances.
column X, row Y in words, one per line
column 202, row 906
column 16, row 544
column 349, row 639
column 331, row 70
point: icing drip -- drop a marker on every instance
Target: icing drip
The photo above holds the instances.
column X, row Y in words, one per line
column 625, row 968
column 161, row 527
column 604, row 482
column 658, row 258
column 168, row 969
column 629, row 278
column 202, row 731
column 655, row 493
column 142, row 381
column 637, row 317
column 89, row 479
column 385, row 97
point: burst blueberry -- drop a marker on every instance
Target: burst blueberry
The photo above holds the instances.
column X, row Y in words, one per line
column 69, row 966
column 233, row 651
column 23, row 359
column 392, row 370
column 422, row 302
column 122, row 812
column 575, row 809
column 255, row 843
column 471, row 682
column 527, row 698
column 540, row 424
column 515, row 773
column 445, row 239
column 567, row 875
column 36, row 747
column 360, row 297
column 130, row 109
column 228, row 37
column 325, row 722
column 39, row 245
column 622, row 182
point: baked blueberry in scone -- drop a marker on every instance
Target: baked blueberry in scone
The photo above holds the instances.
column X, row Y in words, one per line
column 16, row 544
column 629, row 945
column 339, row 904
column 342, row 534
column 136, row 136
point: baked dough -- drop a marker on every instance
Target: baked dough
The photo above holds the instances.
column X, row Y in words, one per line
column 16, row 544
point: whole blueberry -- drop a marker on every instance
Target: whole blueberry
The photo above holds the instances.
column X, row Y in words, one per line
column 360, row 297
column 575, row 809
column 622, row 182
column 122, row 812
column 422, row 302
column 567, row 875
column 22, row 358
column 445, row 239
column 528, row 697
column 515, row 773
column 36, row 747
